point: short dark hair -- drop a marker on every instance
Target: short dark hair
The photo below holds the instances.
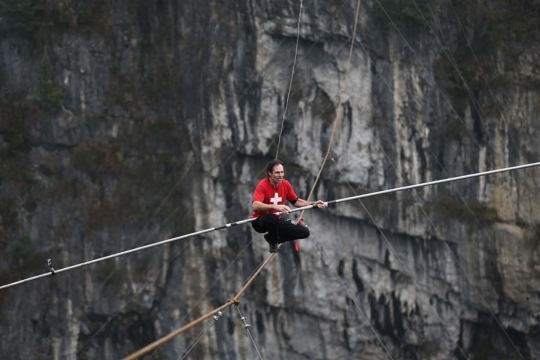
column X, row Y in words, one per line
column 272, row 164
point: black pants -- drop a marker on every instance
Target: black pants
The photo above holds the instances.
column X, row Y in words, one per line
column 279, row 229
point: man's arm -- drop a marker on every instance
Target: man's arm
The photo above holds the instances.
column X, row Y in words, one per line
column 259, row 206
column 300, row 203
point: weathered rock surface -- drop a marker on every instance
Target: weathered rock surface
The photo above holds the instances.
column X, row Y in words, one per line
column 127, row 122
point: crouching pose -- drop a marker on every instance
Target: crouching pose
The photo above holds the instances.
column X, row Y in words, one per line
column 268, row 199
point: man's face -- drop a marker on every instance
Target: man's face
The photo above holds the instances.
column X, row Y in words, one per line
column 277, row 174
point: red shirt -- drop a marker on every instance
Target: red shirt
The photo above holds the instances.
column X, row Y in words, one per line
column 266, row 193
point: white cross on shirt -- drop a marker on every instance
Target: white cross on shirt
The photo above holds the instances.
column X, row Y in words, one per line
column 275, row 200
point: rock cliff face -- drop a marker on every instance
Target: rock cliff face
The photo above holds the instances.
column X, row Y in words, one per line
column 127, row 122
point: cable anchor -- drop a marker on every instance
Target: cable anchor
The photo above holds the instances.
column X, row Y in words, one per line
column 234, row 302
column 50, row 265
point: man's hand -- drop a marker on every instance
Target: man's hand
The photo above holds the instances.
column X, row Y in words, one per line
column 282, row 208
column 319, row 204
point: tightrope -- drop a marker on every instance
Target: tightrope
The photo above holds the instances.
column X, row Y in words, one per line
column 245, row 221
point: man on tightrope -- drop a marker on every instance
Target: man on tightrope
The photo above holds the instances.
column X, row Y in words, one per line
column 268, row 199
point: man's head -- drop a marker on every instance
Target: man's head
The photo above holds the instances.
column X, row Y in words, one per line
column 275, row 172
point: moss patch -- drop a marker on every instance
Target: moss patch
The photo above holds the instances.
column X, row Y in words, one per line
column 50, row 95
column 132, row 330
column 144, row 163
column 406, row 12
column 506, row 25
column 38, row 18
column 17, row 115
column 468, row 73
column 8, row 218
column 448, row 206
column 455, row 129
column 114, row 276
column 19, row 252
column 429, row 350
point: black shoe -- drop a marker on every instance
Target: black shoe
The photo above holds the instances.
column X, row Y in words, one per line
column 273, row 247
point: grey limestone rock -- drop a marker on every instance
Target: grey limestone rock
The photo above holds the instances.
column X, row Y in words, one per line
column 123, row 123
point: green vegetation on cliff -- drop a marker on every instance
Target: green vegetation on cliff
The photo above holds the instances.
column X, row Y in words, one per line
column 37, row 18
column 401, row 13
column 498, row 32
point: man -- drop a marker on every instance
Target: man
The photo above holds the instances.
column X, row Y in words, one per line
column 268, row 199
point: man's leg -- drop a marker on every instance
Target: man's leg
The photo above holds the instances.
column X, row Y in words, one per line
column 289, row 230
column 268, row 223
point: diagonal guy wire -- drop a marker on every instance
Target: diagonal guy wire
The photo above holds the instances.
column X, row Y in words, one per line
column 246, row 326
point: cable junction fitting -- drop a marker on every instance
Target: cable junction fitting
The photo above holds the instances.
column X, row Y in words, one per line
column 217, row 316
column 246, row 325
column 50, row 265
column 244, row 320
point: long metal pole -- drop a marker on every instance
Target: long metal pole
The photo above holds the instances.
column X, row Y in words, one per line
column 388, row 191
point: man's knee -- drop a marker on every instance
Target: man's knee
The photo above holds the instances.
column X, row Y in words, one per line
column 257, row 227
column 305, row 233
